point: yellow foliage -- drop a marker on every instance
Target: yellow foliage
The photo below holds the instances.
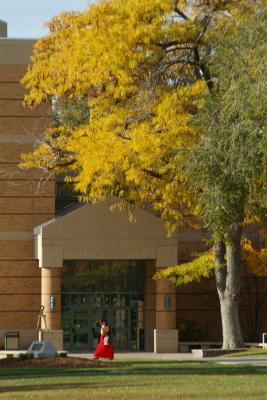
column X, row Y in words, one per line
column 200, row 267
column 256, row 259
column 203, row 266
column 138, row 134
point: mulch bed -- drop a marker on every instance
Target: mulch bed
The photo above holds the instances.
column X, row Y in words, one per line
column 55, row 362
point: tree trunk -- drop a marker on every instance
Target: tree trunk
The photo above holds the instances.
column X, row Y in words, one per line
column 232, row 335
column 228, row 278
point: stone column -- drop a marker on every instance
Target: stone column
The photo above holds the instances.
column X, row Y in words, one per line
column 51, row 300
column 166, row 334
column 165, row 305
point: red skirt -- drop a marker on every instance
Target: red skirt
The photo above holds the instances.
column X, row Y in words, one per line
column 104, row 350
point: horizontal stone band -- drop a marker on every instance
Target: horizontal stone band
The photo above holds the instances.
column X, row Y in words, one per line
column 16, row 235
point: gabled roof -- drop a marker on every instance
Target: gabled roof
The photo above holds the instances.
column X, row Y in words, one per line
column 98, row 221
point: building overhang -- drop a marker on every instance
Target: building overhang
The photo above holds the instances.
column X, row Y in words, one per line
column 95, row 232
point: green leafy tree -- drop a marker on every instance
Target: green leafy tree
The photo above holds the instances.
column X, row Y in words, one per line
column 227, row 168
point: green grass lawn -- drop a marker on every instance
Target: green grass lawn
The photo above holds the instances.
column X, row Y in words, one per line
column 137, row 380
column 250, row 352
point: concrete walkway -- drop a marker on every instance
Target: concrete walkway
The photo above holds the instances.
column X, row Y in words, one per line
column 259, row 361
column 142, row 356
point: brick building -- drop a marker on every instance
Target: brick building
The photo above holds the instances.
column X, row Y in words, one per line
column 84, row 263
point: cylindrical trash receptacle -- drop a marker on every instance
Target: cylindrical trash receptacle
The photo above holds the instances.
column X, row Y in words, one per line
column 11, row 340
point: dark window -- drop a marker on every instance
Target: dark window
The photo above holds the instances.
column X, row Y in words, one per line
column 65, row 196
column 103, row 276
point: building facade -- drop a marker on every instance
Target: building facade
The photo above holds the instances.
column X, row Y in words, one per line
column 22, row 205
column 85, row 263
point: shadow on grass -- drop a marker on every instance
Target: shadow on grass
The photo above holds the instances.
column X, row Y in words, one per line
column 82, row 386
column 66, row 386
column 138, row 368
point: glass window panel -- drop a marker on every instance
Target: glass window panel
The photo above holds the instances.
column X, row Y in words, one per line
column 65, row 300
column 120, row 340
column 141, row 343
column 66, row 320
column 120, row 318
column 140, row 313
column 83, row 299
column 80, row 319
column 133, row 328
column 99, row 314
column 119, row 300
column 80, row 340
column 122, row 273
column 138, row 342
column 99, row 271
column 135, row 297
column 133, row 314
column 115, row 299
column 77, row 299
column 66, row 339
column 98, row 300
column 97, row 275
column 90, row 299
column 138, row 271
column 106, row 300
column 87, row 298
column 133, row 343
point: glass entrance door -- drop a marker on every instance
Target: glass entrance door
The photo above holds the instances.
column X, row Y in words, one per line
column 95, row 316
column 79, row 330
column 120, row 327
column 80, row 323
column 86, row 328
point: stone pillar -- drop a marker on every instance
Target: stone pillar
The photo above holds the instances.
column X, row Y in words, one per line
column 51, row 287
column 166, row 334
column 165, row 305
column 51, row 300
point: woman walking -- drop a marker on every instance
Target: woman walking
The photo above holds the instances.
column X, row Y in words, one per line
column 104, row 348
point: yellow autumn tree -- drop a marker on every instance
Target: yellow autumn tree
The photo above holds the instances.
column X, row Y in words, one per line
column 137, row 65
column 143, row 68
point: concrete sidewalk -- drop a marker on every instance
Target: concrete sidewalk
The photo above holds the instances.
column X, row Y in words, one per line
column 146, row 356
column 260, row 360
column 142, row 356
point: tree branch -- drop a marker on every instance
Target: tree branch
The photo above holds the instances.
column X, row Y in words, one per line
column 204, row 70
column 174, row 44
column 180, row 12
column 152, row 173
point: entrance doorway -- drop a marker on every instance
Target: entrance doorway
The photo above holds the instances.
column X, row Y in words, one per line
column 85, row 327
column 121, row 303
column 80, row 322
